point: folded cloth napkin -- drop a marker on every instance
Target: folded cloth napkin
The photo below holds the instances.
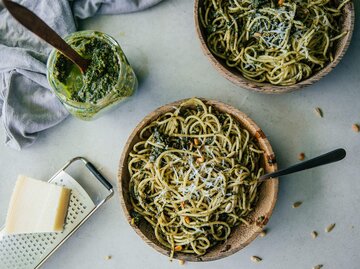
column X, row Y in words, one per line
column 27, row 105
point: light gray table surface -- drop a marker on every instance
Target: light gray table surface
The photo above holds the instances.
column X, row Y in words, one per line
column 162, row 46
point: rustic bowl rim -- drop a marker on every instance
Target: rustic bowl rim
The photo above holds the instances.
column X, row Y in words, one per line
column 243, row 119
column 268, row 88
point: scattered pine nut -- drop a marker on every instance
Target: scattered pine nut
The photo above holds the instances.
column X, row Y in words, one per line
column 314, row 234
column 178, row 248
column 297, row 204
column 196, row 141
column 187, row 219
column 182, row 204
column 281, row 2
column 181, row 262
column 318, row 266
column 319, row 112
column 301, row 156
column 108, row 257
column 330, row 228
column 256, row 259
column 263, row 233
column 228, row 207
column 356, row 128
column 200, row 160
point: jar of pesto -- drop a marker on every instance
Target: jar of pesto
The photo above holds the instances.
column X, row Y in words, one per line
column 108, row 80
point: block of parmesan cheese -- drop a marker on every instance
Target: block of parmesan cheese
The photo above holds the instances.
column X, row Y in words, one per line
column 36, row 207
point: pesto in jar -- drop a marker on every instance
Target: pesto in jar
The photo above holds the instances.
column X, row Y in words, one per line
column 108, row 81
column 99, row 79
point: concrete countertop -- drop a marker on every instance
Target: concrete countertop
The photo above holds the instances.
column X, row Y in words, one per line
column 162, row 46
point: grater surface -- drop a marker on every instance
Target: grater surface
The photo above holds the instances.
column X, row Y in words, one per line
column 27, row 251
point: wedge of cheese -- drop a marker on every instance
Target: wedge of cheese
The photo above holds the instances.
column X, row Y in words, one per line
column 36, row 207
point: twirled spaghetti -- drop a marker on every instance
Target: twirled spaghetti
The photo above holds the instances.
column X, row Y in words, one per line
column 194, row 176
column 276, row 41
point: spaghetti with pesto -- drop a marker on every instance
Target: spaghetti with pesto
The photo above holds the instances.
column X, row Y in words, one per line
column 277, row 41
column 194, row 177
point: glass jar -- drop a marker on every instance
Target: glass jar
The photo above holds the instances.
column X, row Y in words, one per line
column 123, row 85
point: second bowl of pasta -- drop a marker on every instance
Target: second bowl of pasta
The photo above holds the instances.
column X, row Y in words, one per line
column 188, row 180
column 274, row 46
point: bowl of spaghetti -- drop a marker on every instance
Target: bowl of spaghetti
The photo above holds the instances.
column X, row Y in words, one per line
column 274, row 46
column 188, row 180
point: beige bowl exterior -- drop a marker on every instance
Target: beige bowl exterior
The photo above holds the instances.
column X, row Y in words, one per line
column 232, row 74
column 241, row 235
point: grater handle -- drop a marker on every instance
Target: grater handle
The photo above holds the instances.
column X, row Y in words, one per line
column 99, row 176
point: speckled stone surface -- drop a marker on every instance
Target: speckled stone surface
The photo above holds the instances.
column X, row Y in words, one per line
column 162, row 46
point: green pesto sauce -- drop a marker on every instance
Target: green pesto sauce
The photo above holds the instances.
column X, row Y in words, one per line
column 101, row 76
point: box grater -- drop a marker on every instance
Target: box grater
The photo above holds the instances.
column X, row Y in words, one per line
column 30, row 251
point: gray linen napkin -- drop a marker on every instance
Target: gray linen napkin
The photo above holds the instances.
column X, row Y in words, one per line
column 27, row 106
